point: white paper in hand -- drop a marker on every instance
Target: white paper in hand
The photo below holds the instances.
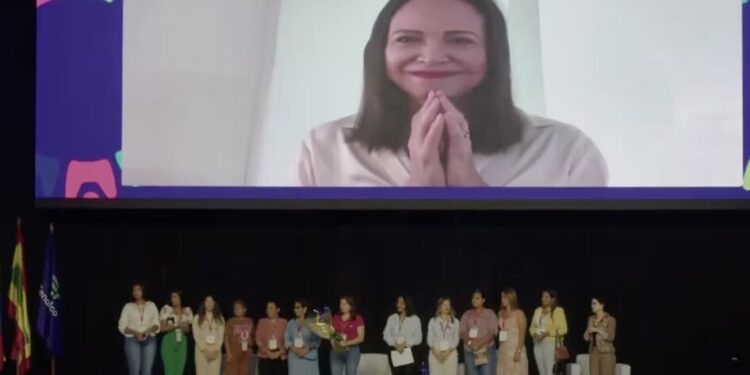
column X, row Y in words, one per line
column 402, row 359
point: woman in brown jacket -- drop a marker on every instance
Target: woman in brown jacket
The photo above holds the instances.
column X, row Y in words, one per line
column 601, row 336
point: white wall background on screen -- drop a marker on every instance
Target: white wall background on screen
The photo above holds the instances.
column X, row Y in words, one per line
column 657, row 85
column 195, row 78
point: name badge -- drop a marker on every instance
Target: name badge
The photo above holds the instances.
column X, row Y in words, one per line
column 178, row 335
column 272, row 344
column 210, row 339
column 244, row 345
column 298, row 342
column 474, row 333
column 443, row 346
column 503, row 336
column 400, row 340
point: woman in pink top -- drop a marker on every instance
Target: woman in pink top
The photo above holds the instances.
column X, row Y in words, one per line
column 351, row 326
column 478, row 329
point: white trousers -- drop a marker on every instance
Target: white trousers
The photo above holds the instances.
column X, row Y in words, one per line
column 544, row 354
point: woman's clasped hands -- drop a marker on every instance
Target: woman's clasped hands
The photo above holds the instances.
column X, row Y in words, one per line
column 440, row 150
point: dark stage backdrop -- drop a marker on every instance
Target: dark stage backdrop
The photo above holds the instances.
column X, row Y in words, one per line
column 678, row 311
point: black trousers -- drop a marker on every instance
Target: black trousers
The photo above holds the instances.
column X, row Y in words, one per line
column 272, row 366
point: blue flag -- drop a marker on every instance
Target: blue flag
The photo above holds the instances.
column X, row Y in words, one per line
column 49, row 319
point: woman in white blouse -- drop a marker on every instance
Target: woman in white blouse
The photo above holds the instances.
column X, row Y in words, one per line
column 208, row 332
column 403, row 330
column 139, row 323
column 176, row 320
column 443, row 339
column 437, row 110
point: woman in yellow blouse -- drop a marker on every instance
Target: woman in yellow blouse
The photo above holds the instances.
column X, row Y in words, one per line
column 547, row 324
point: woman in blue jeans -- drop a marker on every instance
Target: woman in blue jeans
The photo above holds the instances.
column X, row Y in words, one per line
column 351, row 326
column 478, row 329
column 139, row 323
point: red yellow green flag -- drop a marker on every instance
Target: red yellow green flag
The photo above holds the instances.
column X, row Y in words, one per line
column 18, row 311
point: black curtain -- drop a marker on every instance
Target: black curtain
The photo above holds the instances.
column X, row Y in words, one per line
column 671, row 303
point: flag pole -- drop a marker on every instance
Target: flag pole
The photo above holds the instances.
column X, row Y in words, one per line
column 52, row 368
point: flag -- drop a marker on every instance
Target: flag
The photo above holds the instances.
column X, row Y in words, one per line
column 17, row 310
column 49, row 320
column 2, row 347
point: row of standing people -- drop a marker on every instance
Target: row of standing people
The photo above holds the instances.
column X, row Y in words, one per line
column 283, row 347
column 491, row 342
column 496, row 343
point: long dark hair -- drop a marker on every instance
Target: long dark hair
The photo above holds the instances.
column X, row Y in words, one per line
column 409, row 309
column 217, row 310
column 384, row 116
column 352, row 306
column 553, row 296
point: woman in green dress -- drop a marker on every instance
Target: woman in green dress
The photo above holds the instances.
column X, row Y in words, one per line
column 175, row 324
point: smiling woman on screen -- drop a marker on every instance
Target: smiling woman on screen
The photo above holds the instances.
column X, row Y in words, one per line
column 437, row 110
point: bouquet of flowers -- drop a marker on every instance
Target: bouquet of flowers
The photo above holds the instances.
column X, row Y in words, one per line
column 322, row 325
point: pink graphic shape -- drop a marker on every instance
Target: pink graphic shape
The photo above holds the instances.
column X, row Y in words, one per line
column 99, row 172
column 41, row 2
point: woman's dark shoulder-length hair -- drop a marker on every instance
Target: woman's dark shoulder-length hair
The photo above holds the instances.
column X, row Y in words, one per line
column 410, row 310
column 384, row 118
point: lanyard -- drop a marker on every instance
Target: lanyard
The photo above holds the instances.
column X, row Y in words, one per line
column 210, row 322
column 141, row 311
column 504, row 317
column 444, row 328
column 475, row 315
column 244, row 334
column 541, row 318
column 273, row 328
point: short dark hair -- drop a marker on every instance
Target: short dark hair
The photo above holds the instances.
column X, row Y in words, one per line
column 143, row 288
column 384, row 116
column 480, row 292
column 240, row 302
column 302, row 303
column 178, row 293
column 599, row 298
column 409, row 309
